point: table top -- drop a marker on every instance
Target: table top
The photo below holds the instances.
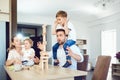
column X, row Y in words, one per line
column 34, row 73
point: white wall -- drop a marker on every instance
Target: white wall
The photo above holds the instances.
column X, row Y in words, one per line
column 95, row 28
column 35, row 19
column 2, row 50
column 3, row 42
column 80, row 27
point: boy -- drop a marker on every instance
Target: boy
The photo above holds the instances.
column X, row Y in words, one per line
column 62, row 22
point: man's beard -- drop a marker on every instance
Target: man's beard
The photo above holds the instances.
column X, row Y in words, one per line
column 61, row 42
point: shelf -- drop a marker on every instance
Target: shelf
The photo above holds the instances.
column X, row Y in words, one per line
column 81, row 42
column 116, row 68
column 4, row 13
column 116, row 74
column 84, row 51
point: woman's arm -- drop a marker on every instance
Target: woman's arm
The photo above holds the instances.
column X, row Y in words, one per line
column 13, row 61
column 9, row 62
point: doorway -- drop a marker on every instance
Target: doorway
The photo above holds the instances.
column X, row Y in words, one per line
column 108, row 42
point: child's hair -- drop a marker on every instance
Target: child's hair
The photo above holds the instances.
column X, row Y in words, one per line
column 30, row 41
column 61, row 13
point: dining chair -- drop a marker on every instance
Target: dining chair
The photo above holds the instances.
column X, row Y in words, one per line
column 101, row 68
column 83, row 65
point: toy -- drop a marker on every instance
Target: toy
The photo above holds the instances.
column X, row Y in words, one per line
column 44, row 55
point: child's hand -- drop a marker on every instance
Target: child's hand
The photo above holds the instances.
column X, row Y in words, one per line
column 55, row 23
column 66, row 22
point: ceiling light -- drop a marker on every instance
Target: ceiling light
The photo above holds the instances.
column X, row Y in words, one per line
column 104, row 3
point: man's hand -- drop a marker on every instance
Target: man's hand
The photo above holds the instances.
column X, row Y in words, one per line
column 73, row 55
column 70, row 53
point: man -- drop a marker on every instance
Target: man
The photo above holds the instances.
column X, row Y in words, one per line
column 63, row 22
column 73, row 51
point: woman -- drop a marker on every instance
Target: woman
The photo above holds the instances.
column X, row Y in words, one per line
column 15, row 54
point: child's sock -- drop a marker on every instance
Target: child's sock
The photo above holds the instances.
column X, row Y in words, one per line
column 56, row 62
column 67, row 64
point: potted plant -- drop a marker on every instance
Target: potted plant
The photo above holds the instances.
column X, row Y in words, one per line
column 118, row 56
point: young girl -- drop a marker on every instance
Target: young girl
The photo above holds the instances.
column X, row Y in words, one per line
column 15, row 54
column 28, row 52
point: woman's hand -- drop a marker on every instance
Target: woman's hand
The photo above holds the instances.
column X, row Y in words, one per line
column 17, row 61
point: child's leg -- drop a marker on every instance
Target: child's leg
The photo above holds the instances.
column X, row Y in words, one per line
column 55, row 47
column 68, row 43
column 68, row 58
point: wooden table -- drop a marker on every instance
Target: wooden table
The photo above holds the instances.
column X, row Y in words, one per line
column 53, row 73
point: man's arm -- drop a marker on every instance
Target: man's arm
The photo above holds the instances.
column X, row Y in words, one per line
column 75, row 54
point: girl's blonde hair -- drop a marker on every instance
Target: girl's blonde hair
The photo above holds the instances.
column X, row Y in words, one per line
column 30, row 41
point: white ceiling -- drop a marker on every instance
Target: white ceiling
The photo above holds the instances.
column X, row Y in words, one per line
column 81, row 10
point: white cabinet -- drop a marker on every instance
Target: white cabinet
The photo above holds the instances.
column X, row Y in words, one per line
column 4, row 17
column 4, row 6
column 4, row 10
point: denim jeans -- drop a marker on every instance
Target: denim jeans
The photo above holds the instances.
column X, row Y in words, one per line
column 68, row 43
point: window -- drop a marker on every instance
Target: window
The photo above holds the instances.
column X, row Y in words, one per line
column 108, row 42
